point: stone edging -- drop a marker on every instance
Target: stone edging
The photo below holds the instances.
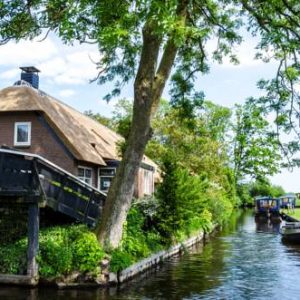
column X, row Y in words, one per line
column 18, row 280
column 153, row 260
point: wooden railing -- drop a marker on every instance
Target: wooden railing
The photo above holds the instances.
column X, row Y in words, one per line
column 32, row 178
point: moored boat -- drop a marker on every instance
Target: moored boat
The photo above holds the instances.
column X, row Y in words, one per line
column 290, row 232
column 267, row 208
column 288, row 201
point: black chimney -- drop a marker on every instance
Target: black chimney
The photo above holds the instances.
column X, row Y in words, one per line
column 30, row 75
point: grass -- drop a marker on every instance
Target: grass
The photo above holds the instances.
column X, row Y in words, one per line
column 295, row 214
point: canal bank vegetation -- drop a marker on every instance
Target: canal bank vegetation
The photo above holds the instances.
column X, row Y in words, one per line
column 62, row 250
column 197, row 191
column 192, row 143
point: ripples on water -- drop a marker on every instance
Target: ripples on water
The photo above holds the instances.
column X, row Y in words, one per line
column 244, row 261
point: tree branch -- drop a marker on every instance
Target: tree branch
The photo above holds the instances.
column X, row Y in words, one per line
column 168, row 58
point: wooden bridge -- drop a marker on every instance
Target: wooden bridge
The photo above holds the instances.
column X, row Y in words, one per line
column 31, row 179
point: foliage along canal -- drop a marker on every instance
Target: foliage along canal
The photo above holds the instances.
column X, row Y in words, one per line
column 244, row 261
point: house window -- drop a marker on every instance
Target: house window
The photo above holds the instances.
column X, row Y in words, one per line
column 22, row 136
column 148, row 182
column 85, row 174
column 105, row 177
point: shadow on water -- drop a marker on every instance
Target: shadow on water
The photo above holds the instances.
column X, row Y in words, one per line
column 246, row 260
column 267, row 226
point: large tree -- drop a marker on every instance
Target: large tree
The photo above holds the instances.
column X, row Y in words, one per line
column 143, row 39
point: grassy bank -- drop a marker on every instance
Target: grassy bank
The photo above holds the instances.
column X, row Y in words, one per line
column 294, row 214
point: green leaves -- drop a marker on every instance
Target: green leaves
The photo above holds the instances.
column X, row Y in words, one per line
column 256, row 148
column 67, row 249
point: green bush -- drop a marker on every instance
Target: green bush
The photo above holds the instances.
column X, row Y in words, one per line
column 67, row 249
column 134, row 237
column 182, row 201
column 120, row 260
column 61, row 251
column 55, row 252
column 87, row 252
column 14, row 257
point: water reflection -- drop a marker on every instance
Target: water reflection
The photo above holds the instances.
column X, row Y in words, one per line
column 267, row 226
column 247, row 260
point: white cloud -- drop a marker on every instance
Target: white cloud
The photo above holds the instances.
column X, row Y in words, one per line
column 245, row 53
column 73, row 68
column 26, row 52
column 10, row 74
column 59, row 64
column 66, row 93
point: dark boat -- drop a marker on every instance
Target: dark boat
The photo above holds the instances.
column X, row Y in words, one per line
column 288, row 201
column 267, row 208
column 290, row 232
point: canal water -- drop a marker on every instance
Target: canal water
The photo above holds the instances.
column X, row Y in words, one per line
column 244, row 261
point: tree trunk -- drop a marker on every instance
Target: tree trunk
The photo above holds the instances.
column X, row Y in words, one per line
column 120, row 194
column 148, row 87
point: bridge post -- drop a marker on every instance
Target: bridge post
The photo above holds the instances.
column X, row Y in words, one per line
column 33, row 239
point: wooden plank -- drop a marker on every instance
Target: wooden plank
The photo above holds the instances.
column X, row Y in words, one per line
column 33, row 239
column 18, row 280
column 1, row 167
column 13, row 197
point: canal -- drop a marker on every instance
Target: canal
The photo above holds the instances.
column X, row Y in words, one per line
column 244, row 261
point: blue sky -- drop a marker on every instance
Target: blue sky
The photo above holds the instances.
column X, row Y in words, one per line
column 67, row 70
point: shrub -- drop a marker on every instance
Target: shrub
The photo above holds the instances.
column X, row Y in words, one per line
column 13, row 257
column 182, row 200
column 120, row 260
column 66, row 249
column 55, row 253
column 61, row 251
column 134, row 237
column 87, row 252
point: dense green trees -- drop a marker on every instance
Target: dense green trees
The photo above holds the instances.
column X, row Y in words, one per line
column 260, row 187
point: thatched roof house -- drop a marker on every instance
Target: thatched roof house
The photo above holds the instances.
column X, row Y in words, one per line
column 41, row 124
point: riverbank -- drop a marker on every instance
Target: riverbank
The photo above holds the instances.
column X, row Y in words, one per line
column 105, row 278
column 155, row 229
column 242, row 261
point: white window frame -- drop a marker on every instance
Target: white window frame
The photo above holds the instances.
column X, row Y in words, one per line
column 83, row 178
column 99, row 177
column 148, row 182
column 16, row 143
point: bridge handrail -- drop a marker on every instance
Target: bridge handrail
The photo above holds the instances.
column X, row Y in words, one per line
column 52, row 165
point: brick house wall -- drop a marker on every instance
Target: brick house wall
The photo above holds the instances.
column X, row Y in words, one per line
column 44, row 141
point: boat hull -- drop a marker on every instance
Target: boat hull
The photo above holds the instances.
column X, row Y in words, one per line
column 291, row 232
column 292, row 238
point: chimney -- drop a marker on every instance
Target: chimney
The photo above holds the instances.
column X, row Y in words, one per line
column 30, row 75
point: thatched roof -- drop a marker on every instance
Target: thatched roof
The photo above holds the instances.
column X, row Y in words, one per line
column 87, row 139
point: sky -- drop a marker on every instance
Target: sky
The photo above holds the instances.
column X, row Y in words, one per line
column 67, row 71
